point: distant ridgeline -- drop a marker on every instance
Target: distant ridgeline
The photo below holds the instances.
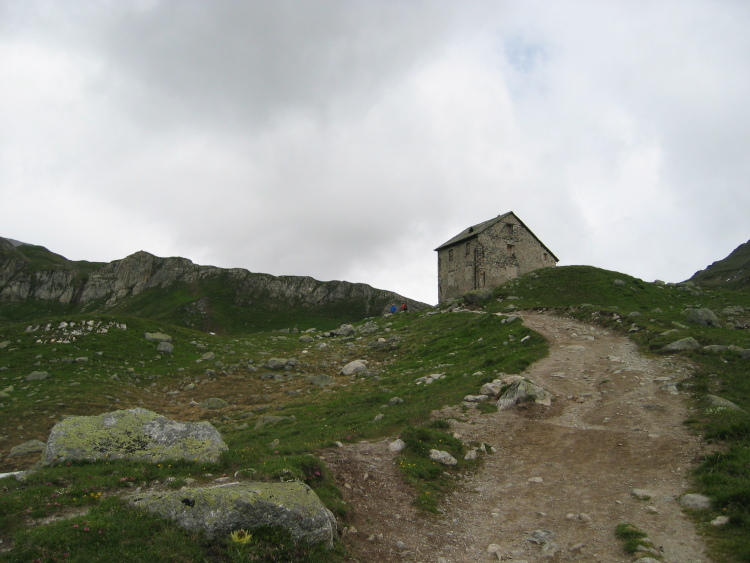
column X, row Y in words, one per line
column 733, row 272
column 35, row 282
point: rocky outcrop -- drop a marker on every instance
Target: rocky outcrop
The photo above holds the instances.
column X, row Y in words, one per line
column 134, row 434
column 218, row 511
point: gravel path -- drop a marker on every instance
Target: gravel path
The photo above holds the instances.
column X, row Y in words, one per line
column 562, row 476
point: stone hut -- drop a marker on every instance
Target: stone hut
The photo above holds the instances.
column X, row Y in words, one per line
column 489, row 254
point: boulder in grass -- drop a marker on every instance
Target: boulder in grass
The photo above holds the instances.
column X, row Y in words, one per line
column 220, row 510
column 134, row 434
column 704, row 317
column 37, row 376
column 157, row 337
column 688, row 343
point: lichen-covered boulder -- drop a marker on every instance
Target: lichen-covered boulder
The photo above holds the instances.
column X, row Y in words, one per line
column 135, row 434
column 222, row 509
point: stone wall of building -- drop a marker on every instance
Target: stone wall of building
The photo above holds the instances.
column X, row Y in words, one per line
column 501, row 252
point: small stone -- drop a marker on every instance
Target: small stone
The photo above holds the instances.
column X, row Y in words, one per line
column 442, row 457
column 535, row 480
column 397, row 445
column 720, row 521
column 642, row 494
column 695, row 501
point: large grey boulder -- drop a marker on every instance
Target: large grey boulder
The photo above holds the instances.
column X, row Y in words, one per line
column 218, row 511
column 688, row 343
column 134, row 434
column 705, row 317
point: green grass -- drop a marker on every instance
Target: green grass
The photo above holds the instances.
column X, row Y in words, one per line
column 633, row 538
column 431, row 480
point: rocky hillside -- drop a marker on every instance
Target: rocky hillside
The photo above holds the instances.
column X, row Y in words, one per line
column 733, row 272
column 176, row 290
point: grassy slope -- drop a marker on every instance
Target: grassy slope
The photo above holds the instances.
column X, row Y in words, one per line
column 123, row 370
column 733, row 272
column 469, row 349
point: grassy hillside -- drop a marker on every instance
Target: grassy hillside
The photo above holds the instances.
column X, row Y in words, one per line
column 733, row 272
column 121, row 370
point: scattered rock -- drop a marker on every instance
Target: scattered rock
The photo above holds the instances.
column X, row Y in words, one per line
column 213, row 403
column 30, row 447
column 642, row 494
column 271, row 419
column 721, row 403
column 397, row 445
column 695, row 501
column 704, row 317
column 720, row 521
column 443, row 457
column 165, row 347
column 157, row 337
column 352, row 368
column 343, row 330
column 688, row 343
column 321, row 380
column 37, row 376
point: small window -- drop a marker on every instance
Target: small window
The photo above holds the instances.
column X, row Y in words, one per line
column 483, row 278
column 545, row 257
column 466, row 252
column 450, row 255
column 511, row 251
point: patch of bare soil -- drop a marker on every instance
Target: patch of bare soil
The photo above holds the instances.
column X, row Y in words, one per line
column 568, row 470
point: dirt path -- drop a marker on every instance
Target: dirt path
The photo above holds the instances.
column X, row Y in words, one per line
column 567, row 470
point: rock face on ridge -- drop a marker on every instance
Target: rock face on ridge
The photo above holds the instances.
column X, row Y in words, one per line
column 33, row 272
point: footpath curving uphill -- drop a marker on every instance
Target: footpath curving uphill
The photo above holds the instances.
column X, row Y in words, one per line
column 612, row 448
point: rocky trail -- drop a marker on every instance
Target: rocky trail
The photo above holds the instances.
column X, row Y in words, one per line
column 561, row 477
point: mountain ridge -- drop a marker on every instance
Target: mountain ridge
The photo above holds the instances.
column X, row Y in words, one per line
column 182, row 292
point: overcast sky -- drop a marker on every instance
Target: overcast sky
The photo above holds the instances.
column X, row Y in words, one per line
column 348, row 139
